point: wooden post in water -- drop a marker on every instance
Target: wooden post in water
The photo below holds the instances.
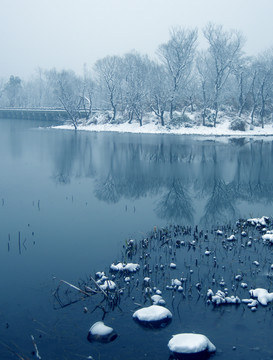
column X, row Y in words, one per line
column 19, row 243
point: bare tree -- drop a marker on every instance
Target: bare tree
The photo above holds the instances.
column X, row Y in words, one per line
column 261, row 85
column 135, row 84
column 109, row 70
column 67, row 89
column 87, row 94
column 203, row 67
column 177, row 56
column 158, row 91
column 224, row 48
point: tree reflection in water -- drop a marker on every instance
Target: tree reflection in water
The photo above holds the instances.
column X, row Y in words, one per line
column 220, row 207
column 188, row 179
column 107, row 190
column 176, row 203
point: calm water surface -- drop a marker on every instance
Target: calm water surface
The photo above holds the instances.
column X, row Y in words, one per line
column 68, row 203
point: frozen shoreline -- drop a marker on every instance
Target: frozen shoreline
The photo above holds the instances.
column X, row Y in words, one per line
column 221, row 130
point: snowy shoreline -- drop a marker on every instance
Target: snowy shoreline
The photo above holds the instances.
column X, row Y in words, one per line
column 221, row 130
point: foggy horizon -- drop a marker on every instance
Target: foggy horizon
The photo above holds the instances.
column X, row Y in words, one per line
column 67, row 35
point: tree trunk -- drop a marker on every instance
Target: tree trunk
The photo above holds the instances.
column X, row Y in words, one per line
column 252, row 114
column 204, row 116
column 162, row 118
column 131, row 115
column 171, row 110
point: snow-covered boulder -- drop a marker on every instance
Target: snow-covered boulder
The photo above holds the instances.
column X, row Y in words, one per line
column 268, row 237
column 153, row 316
column 158, row 300
column 263, row 296
column 264, row 220
column 186, row 344
column 100, row 332
column 231, row 238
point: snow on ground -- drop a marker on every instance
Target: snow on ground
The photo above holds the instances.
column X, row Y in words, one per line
column 190, row 344
column 153, row 127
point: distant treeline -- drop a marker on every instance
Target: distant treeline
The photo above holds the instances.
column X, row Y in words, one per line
column 181, row 78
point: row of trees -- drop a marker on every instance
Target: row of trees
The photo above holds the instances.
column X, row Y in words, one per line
column 181, row 78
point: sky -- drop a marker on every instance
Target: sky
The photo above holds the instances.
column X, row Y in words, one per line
column 67, row 34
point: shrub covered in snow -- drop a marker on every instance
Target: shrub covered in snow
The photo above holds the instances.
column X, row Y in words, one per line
column 238, row 124
column 180, row 120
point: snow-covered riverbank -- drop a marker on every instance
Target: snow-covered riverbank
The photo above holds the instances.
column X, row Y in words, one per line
column 153, row 127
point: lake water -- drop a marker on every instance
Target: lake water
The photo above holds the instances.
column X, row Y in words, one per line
column 68, row 203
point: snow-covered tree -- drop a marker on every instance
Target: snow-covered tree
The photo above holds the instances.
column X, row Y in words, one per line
column 13, row 91
column 67, row 88
column 135, row 85
column 225, row 47
column 158, row 97
column 177, row 56
column 109, row 73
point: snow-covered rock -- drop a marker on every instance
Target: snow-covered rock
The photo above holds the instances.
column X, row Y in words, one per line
column 263, row 296
column 130, row 267
column 153, row 316
column 231, row 238
column 190, row 344
column 117, row 267
column 158, row 300
column 262, row 221
column 221, row 298
column 176, row 282
column 100, row 332
column 268, row 237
